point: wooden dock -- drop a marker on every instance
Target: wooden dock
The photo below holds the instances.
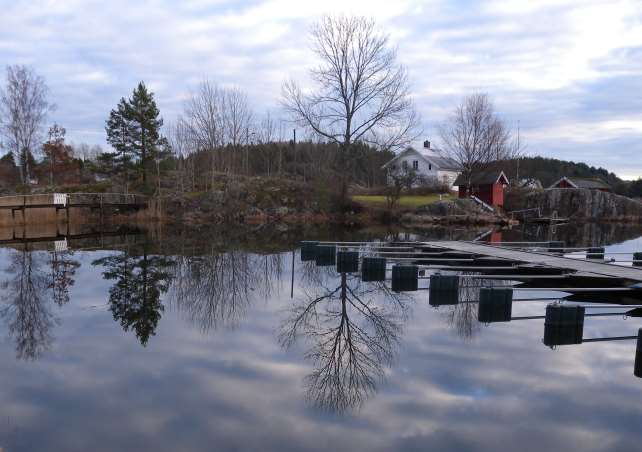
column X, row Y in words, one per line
column 578, row 266
column 45, row 208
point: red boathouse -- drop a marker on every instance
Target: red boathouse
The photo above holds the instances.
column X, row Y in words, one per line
column 485, row 185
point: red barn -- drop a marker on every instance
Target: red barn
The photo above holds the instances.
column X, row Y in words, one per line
column 485, row 185
column 582, row 182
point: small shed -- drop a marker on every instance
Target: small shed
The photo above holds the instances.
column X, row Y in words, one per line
column 486, row 185
column 582, row 182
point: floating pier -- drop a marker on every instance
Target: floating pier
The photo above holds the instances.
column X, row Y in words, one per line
column 488, row 274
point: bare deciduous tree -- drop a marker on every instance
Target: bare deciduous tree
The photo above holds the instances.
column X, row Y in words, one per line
column 23, row 112
column 238, row 121
column 204, row 120
column 362, row 92
column 474, row 135
column 181, row 145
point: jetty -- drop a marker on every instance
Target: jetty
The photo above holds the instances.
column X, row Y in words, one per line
column 65, row 207
column 599, row 283
column 535, row 265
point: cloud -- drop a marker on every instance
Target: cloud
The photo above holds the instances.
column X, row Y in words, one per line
column 559, row 67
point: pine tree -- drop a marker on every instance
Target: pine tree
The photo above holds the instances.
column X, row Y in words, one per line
column 133, row 129
column 120, row 136
column 143, row 114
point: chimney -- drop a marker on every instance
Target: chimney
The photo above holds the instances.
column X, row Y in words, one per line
column 427, row 144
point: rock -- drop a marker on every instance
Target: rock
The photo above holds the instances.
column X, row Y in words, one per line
column 581, row 204
column 283, row 211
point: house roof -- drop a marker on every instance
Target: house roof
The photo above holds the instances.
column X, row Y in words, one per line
column 583, row 182
column 530, row 183
column 483, row 178
column 433, row 156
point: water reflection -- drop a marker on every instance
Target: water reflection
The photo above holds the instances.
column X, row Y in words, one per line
column 216, row 289
column 347, row 341
column 352, row 332
column 63, row 270
column 139, row 281
column 26, row 307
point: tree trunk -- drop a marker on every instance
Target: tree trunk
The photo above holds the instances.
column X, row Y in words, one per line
column 143, row 156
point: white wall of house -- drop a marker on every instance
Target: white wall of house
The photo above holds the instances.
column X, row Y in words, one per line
column 414, row 160
column 448, row 177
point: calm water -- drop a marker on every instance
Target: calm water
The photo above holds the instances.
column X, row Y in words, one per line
column 181, row 342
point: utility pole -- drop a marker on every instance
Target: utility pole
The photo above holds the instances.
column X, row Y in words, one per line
column 518, row 156
column 294, row 146
column 247, row 145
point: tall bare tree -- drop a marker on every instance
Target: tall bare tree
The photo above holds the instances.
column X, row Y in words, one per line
column 182, row 147
column 204, row 121
column 23, row 112
column 238, row 120
column 362, row 93
column 474, row 135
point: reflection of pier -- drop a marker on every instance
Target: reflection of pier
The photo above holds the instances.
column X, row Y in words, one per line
column 77, row 238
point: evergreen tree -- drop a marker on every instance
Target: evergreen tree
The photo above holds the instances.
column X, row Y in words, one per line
column 120, row 134
column 133, row 129
column 143, row 115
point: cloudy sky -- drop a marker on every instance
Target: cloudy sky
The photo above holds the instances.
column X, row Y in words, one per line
column 570, row 71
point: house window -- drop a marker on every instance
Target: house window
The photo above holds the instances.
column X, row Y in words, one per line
column 415, row 164
column 404, row 165
column 430, row 167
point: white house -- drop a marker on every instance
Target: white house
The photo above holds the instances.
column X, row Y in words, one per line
column 429, row 162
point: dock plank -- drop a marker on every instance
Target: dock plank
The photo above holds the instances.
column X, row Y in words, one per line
column 582, row 266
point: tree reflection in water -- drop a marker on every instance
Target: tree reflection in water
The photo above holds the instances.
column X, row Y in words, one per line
column 63, row 270
column 134, row 299
column 217, row 289
column 463, row 316
column 25, row 309
column 353, row 331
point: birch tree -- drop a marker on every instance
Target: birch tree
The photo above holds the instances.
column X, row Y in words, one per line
column 23, row 111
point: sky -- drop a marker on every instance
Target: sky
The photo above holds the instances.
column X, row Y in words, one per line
column 569, row 72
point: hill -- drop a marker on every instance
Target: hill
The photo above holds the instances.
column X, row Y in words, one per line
column 549, row 170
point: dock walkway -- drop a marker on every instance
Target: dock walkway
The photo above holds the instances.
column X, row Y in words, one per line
column 581, row 266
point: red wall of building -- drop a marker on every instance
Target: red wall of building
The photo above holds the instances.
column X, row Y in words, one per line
column 492, row 194
column 498, row 195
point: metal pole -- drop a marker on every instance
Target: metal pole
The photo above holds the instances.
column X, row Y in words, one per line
column 292, row 283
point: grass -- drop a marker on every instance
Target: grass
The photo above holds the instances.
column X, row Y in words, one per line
column 404, row 201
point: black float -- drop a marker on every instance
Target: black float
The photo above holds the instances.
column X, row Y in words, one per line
column 564, row 325
column 595, row 253
column 405, row 278
column 495, row 304
column 347, row 261
column 556, row 247
column 637, row 371
column 373, row 269
column 325, row 255
column 308, row 250
column 444, row 290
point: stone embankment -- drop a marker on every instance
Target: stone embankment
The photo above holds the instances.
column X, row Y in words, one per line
column 458, row 211
column 579, row 205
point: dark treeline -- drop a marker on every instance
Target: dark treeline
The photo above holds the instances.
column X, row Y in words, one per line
column 304, row 161
column 549, row 170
